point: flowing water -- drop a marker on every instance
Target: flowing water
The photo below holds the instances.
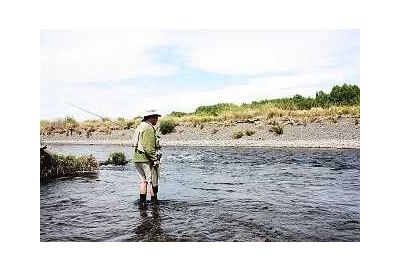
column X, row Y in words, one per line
column 210, row 194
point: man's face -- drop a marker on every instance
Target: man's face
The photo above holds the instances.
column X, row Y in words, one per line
column 153, row 120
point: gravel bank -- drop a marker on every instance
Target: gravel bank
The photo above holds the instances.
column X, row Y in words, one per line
column 338, row 133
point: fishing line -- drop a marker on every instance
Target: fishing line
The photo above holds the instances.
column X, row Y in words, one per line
column 92, row 113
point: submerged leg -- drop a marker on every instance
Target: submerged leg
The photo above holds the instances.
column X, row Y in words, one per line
column 154, row 183
column 151, row 190
column 143, row 191
column 154, row 197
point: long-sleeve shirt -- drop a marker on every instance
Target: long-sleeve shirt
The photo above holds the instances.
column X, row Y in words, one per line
column 147, row 139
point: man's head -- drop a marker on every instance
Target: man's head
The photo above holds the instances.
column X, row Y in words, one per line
column 152, row 119
column 151, row 116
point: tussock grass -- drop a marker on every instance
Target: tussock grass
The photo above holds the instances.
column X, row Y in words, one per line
column 70, row 126
column 250, row 132
column 167, row 126
column 277, row 129
column 237, row 135
column 55, row 165
column 117, row 158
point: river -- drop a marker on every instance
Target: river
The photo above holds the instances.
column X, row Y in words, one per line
column 210, row 194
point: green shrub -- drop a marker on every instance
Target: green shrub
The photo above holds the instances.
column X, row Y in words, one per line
column 177, row 114
column 322, row 99
column 54, row 165
column 339, row 95
column 250, row 132
column 117, row 158
column 238, row 135
column 215, row 110
column 345, row 95
column 277, row 129
column 167, row 126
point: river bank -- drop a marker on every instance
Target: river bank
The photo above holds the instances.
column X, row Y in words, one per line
column 343, row 132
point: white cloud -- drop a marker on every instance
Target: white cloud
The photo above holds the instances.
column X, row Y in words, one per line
column 306, row 82
column 99, row 56
column 79, row 56
column 257, row 52
column 284, row 62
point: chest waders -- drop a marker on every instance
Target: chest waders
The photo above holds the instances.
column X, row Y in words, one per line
column 138, row 145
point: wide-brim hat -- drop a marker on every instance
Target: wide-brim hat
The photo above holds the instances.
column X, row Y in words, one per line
column 149, row 113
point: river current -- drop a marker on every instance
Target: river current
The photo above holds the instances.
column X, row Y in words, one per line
column 210, row 194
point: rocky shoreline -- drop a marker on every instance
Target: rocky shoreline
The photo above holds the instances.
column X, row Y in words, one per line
column 343, row 132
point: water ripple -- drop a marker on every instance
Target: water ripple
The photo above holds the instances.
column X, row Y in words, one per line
column 214, row 194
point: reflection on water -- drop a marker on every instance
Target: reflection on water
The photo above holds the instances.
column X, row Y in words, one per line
column 210, row 194
column 149, row 228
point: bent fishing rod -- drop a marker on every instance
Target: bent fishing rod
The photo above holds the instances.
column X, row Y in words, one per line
column 95, row 114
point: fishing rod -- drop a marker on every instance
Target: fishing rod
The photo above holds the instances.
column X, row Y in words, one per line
column 95, row 114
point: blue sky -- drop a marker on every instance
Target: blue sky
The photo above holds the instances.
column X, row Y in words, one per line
column 123, row 73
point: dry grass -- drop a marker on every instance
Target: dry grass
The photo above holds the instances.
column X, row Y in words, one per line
column 270, row 112
column 69, row 126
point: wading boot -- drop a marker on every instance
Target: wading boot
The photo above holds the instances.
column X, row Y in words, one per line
column 142, row 200
column 154, row 199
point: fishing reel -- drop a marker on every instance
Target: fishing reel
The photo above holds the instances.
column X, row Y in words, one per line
column 159, row 154
column 158, row 147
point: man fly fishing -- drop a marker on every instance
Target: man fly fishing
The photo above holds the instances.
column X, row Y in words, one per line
column 147, row 153
column 147, row 156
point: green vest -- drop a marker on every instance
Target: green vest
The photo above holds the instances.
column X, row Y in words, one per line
column 145, row 143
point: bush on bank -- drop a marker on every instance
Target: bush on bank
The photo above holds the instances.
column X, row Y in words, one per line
column 277, row 129
column 117, row 158
column 55, row 165
column 167, row 126
column 237, row 135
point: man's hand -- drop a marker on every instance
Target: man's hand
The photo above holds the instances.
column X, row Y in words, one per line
column 156, row 163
